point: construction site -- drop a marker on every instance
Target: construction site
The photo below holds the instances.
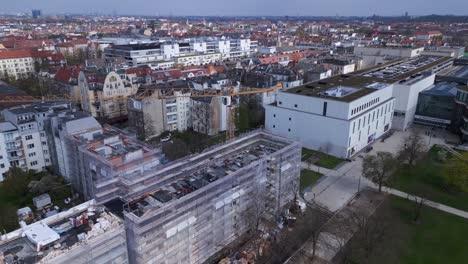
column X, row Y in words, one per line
column 87, row 233
column 181, row 212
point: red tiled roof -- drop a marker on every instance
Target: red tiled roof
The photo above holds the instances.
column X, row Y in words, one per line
column 13, row 54
column 26, row 43
column 139, row 71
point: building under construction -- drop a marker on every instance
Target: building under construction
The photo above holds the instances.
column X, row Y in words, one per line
column 192, row 208
column 181, row 212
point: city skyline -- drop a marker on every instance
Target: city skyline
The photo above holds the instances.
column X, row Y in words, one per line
column 241, row 7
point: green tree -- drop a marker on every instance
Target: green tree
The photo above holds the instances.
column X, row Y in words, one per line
column 8, row 218
column 242, row 118
column 16, row 182
column 456, row 172
column 378, row 168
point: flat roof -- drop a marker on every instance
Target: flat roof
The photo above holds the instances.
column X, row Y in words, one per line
column 142, row 46
column 403, row 69
column 369, row 79
column 317, row 88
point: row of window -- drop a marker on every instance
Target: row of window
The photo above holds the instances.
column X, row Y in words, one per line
column 365, row 106
column 371, row 116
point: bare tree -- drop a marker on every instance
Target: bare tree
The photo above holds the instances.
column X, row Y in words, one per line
column 419, row 203
column 366, row 229
column 412, row 147
column 378, row 168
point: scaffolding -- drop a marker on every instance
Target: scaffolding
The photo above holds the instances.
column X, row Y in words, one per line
column 201, row 204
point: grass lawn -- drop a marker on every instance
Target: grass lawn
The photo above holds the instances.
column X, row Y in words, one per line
column 425, row 179
column 320, row 159
column 439, row 237
column 308, row 178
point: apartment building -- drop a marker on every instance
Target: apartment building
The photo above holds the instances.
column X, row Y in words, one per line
column 202, row 59
column 104, row 95
column 206, row 115
column 16, row 64
column 105, row 161
column 59, row 128
column 150, row 116
column 11, row 148
column 186, row 52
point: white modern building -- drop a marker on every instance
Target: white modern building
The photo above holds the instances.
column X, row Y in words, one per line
column 410, row 77
column 343, row 114
column 339, row 116
column 374, row 55
column 195, row 51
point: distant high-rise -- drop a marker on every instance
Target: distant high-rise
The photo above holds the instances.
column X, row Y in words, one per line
column 406, row 14
column 36, row 13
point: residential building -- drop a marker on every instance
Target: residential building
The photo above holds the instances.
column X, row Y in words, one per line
column 209, row 114
column 29, row 123
column 149, row 116
column 11, row 149
column 104, row 96
column 191, row 51
column 17, row 64
column 59, row 128
column 106, row 162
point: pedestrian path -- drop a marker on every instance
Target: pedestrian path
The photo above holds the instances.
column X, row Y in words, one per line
column 439, row 206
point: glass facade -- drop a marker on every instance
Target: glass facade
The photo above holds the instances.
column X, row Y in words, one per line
column 435, row 106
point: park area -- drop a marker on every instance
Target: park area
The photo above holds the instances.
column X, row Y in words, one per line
column 426, row 179
column 320, row 159
column 437, row 237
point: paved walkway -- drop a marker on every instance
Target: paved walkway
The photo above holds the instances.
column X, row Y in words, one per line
column 429, row 203
column 341, row 184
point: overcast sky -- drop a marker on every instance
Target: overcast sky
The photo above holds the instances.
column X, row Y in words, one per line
column 241, row 7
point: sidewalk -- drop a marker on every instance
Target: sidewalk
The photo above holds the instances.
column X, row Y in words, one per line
column 435, row 205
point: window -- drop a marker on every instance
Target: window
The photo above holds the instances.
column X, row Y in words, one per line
column 354, row 126
column 30, row 146
column 29, row 137
column 274, row 126
column 42, row 134
column 44, row 143
column 33, row 163
column 47, row 160
column 2, row 165
column 289, row 119
column 324, row 108
column 295, row 105
column 289, row 130
column 32, row 154
column 274, row 115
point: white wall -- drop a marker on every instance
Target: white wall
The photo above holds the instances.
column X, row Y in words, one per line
column 406, row 96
